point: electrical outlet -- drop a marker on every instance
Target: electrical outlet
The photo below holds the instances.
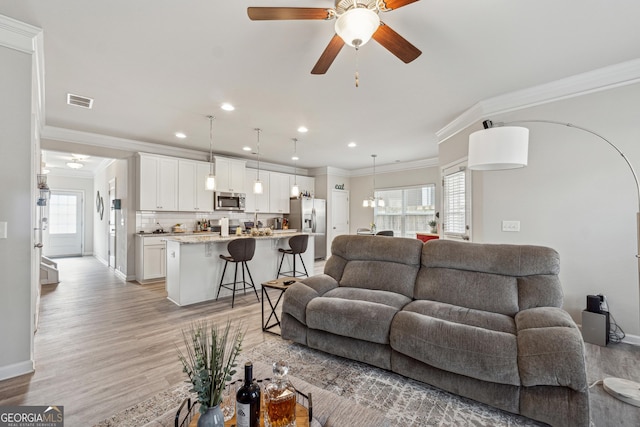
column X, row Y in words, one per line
column 510, row 225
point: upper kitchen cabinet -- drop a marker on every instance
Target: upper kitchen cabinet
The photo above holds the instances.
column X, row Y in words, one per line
column 192, row 193
column 230, row 174
column 256, row 202
column 157, row 183
column 306, row 184
column 279, row 192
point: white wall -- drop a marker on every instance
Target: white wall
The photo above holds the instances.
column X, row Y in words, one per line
column 121, row 170
column 576, row 195
column 17, row 177
column 86, row 186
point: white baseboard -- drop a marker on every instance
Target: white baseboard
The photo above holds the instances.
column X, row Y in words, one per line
column 102, row 260
column 16, row 369
column 632, row 339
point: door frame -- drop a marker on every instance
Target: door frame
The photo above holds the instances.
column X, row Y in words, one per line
column 111, row 246
column 81, row 219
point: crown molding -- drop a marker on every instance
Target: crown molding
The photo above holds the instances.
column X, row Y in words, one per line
column 605, row 78
column 122, row 144
column 18, row 35
column 396, row 167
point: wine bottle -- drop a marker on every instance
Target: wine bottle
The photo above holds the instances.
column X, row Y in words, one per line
column 248, row 400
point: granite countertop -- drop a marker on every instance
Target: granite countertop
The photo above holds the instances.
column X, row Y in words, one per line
column 214, row 238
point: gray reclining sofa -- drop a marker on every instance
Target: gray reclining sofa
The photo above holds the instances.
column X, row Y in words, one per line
column 478, row 320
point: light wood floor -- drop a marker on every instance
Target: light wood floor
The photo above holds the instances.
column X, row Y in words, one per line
column 104, row 345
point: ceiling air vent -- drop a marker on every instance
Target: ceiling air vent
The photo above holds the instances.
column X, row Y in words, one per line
column 79, row 101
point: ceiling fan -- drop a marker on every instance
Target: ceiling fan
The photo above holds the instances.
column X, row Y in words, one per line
column 357, row 21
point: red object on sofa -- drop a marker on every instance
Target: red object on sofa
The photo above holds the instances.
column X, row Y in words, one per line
column 425, row 237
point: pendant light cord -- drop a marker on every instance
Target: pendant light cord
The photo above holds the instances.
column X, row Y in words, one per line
column 258, row 152
column 211, row 118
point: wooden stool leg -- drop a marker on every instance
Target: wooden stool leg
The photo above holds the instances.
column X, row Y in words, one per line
column 303, row 266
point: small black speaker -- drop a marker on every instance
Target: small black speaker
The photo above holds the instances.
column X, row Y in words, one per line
column 593, row 303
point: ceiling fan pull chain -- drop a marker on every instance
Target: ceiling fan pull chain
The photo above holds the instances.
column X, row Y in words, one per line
column 357, row 74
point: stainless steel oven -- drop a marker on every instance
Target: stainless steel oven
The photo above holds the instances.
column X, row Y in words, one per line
column 224, row 201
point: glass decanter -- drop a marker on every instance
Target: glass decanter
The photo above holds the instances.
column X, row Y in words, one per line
column 280, row 398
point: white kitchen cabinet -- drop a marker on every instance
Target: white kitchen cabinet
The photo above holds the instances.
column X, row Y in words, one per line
column 305, row 184
column 230, row 174
column 157, row 183
column 192, row 193
column 151, row 258
column 279, row 192
column 256, row 202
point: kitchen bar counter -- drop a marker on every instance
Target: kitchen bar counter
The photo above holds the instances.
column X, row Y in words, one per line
column 194, row 266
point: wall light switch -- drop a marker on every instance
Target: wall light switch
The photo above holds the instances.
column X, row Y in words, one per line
column 510, row 225
column 3, row 229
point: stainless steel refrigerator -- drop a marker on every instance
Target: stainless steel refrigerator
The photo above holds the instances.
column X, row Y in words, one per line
column 310, row 216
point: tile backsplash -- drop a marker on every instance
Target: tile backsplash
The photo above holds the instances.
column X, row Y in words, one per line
column 151, row 221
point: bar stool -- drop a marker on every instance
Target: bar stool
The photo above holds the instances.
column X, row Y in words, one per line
column 240, row 250
column 297, row 246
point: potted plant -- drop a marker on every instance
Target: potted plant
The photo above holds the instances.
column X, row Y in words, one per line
column 434, row 226
column 209, row 361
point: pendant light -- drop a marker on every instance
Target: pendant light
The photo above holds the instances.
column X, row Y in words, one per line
column 372, row 201
column 257, row 185
column 210, row 183
column 295, row 190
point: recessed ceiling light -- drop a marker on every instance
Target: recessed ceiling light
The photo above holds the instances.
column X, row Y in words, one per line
column 303, row 129
column 181, row 135
column 227, row 107
column 352, row 145
column 246, row 148
column 295, row 158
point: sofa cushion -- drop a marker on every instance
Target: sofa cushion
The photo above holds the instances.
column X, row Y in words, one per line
column 463, row 315
column 499, row 278
column 392, row 299
column 375, row 263
column 462, row 349
column 364, row 320
column 550, row 349
column 299, row 294
column 480, row 291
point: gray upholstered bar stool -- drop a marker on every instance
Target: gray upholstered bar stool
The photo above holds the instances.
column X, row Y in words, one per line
column 297, row 246
column 240, row 250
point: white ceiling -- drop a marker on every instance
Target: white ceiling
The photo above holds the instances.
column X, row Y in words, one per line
column 161, row 66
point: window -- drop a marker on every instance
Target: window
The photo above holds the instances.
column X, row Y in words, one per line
column 63, row 214
column 456, row 206
column 406, row 211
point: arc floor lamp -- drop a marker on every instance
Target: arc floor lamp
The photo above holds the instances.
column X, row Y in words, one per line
column 502, row 146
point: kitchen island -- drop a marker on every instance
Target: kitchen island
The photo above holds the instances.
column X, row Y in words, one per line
column 194, row 267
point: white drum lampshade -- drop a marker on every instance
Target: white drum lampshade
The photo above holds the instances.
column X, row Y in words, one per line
column 498, row 148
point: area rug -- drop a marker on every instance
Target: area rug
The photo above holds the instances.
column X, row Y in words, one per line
column 404, row 401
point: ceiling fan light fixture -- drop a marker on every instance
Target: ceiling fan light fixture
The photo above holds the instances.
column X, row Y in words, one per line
column 356, row 26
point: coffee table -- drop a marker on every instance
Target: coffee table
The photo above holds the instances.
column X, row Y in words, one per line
column 279, row 285
column 303, row 413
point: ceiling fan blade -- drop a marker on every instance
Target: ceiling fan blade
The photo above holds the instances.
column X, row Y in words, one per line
column 396, row 44
column 329, row 54
column 279, row 13
column 388, row 5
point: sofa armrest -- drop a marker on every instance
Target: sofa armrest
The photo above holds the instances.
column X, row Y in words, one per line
column 301, row 293
column 550, row 349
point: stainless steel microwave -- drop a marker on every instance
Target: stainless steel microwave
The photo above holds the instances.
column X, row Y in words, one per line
column 224, row 201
